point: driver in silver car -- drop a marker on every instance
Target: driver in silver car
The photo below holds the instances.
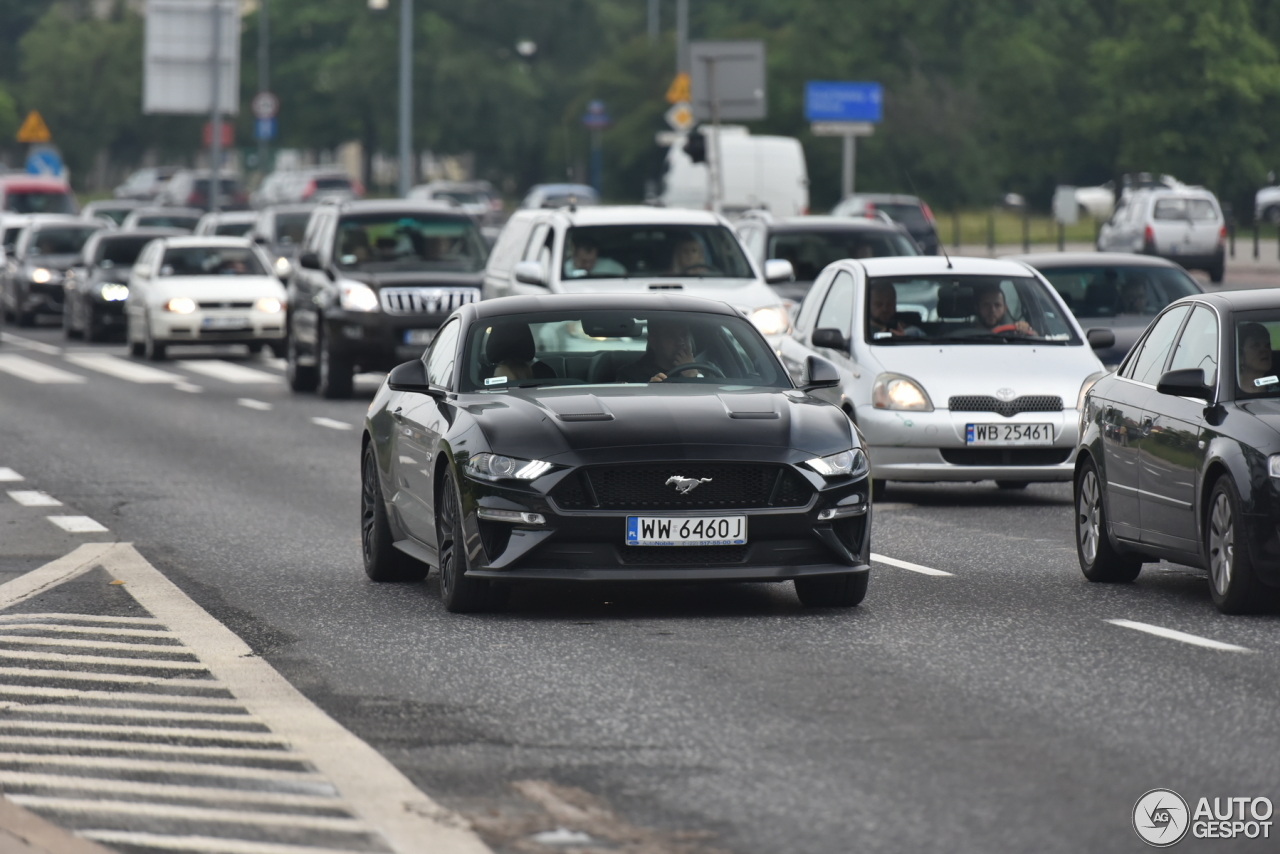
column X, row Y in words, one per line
column 670, row 345
column 993, row 313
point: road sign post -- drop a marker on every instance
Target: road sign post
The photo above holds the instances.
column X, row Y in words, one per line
column 727, row 81
column 845, row 109
column 596, row 119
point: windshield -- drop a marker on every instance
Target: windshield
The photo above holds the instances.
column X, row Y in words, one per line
column 291, row 227
column 1196, row 210
column 620, row 251
column 810, row 251
column 210, row 261
column 909, row 215
column 1108, row 291
column 964, row 310
column 121, row 251
column 226, row 186
column 461, row 197
column 60, row 241
column 410, row 242
column 38, row 201
column 233, row 229
column 612, row 347
column 116, row 215
column 331, row 183
column 168, row 221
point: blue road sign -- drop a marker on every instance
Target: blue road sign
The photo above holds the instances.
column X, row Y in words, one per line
column 842, row 101
column 44, row 160
column 596, row 116
column 264, row 129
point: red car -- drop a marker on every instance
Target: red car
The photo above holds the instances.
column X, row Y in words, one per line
column 33, row 194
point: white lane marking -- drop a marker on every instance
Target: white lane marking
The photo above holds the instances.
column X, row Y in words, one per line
column 134, row 697
column 227, row 735
column 8, row 474
column 202, row 844
column 119, row 678
column 125, row 369
column 1172, row 634
column 65, row 658
column 89, row 630
column 278, row 364
column 138, row 645
column 309, row 779
column 228, row 371
column 330, row 423
column 166, row 790
column 36, row 372
column 30, row 344
column 34, row 498
column 72, row 709
column 81, row 618
column 250, row 403
column 188, row 813
column 914, row 567
column 88, row 745
column 188, row 388
column 77, row 524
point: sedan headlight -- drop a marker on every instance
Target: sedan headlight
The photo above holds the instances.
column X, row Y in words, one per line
column 40, row 275
column 180, row 305
column 283, row 266
column 499, row 467
column 844, row 464
column 1084, row 389
column 894, row 391
column 114, row 292
column 355, row 296
column 270, row 305
column 771, row 320
column 1273, row 465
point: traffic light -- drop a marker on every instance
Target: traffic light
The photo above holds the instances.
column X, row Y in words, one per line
column 696, row 146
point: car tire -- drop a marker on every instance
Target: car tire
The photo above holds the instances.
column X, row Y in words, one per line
column 461, row 595
column 153, row 350
column 878, row 489
column 255, row 349
column 68, row 328
column 833, row 591
column 301, row 377
column 93, row 331
column 336, row 379
column 1099, row 560
column 1233, row 584
column 1012, row 484
column 1217, row 270
column 382, row 560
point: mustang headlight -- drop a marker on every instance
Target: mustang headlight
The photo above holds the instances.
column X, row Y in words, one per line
column 894, row 391
column 844, row 464
column 355, row 296
column 180, row 305
column 770, row 321
column 499, row 467
column 1084, row 389
column 114, row 292
column 41, row 276
column 270, row 305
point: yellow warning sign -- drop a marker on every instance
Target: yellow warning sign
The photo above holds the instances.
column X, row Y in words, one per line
column 679, row 89
column 33, row 129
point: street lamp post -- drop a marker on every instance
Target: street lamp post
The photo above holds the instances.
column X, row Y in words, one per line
column 406, row 95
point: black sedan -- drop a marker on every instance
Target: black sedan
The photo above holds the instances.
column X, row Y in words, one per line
column 1114, row 290
column 611, row 438
column 1180, row 451
column 97, row 286
column 45, row 249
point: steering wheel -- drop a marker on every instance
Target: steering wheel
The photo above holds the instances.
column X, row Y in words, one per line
column 1007, row 327
column 698, row 268
column 674, row 373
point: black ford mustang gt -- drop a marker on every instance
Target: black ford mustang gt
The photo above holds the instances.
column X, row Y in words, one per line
column 611, row 438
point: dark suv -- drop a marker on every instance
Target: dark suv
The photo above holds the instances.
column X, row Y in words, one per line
column 373, row 282
column 910, row 211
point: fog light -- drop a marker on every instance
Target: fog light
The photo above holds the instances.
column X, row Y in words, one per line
column 855, row 507
column 513, row 516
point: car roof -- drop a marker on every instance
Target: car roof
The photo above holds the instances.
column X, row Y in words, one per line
column 1053, row 260
column 147, row 231
column 831, row 223
column 891, row 198
column 61, row 220
column 119, row 204
column 358, row 206
column 182, row 241
column 290, row 207
column 233, row 216
column 21, row 180
column 162, row 211
column 1245, row 300
column 635, row 215
column 599, row 302
column 932, row 265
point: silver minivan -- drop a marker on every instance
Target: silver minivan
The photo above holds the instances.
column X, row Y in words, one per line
column 1184, row 225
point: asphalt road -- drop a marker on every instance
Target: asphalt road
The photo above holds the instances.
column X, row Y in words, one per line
column 994, row 709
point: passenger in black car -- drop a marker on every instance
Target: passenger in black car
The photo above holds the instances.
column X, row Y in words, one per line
column 511, row 351
column 670, row 344
column 1254, row 343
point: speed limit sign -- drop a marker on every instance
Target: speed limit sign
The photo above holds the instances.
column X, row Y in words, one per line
column 265, row 105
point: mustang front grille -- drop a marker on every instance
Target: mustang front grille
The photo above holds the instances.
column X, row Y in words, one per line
column 425, row 300
column 1007, row 408
column 721, row 486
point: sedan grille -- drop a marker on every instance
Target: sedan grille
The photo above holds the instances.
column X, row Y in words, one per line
column 218, row 304
column 728, row 486
column 1007, row 408
column 426, row 300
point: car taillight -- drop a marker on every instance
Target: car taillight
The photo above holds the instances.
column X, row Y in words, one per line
column 196, row 200
column 357, row 189
column 1149, row 236
column 1222, row 234
column 309, row 190
column 928, row 214
column 870, row 211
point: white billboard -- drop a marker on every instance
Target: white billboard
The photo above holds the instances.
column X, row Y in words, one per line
column 178, row 56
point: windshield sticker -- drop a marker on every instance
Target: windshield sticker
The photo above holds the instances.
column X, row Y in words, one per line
column 1266, row 381
column 495, row 380
column 880, row 335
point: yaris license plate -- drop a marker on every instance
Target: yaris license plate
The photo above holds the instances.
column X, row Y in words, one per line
column 686, row 530
column 1008, row 434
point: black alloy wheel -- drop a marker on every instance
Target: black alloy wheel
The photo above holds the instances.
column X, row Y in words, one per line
column 382, row 560
column 833, row 591
column 460, row 594
column 301, row 377
column 1233, row 584
column 1099, row 560
column 336, row 372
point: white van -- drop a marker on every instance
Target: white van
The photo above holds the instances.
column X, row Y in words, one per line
column 760, row 172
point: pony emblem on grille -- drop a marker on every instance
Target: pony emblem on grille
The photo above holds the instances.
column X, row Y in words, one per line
column 685, row 485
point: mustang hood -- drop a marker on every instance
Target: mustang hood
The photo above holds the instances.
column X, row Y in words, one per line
column 949, row 370
column 545, row 423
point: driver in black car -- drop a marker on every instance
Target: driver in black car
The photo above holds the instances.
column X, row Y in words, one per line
column 670, row 345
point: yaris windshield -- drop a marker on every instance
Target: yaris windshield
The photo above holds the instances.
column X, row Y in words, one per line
column 653, row 251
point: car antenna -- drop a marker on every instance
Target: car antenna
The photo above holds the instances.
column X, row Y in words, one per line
column 941, row 243
column 573, row 203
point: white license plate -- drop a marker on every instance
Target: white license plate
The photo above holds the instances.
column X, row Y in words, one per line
column 686, row 530
column 419, row 336
column 225, row 323
column 1008, row 434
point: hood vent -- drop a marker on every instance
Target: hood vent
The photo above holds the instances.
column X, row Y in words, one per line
column 577, row 407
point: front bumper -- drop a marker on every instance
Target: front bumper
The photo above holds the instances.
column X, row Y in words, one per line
column 930, row 446
column 589, row 544
column 44, row 298
column 378, row 341
column 219, row 326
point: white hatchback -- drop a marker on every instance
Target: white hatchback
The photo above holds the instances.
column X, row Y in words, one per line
column 1182, row 224
column 203, row 290
column 964, row 369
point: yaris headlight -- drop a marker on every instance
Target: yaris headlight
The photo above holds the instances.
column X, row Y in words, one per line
column 894, row 391
column 500, row 467
column 852, row 463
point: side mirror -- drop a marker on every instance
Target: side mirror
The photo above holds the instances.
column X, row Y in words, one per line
column 530, row 273
column 260, row 240
column 832, row 339
column 821, row 374
column 1187, row 382
column 310, row 260
column 778, row 270
column 1101, row 339
column 412, row 376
